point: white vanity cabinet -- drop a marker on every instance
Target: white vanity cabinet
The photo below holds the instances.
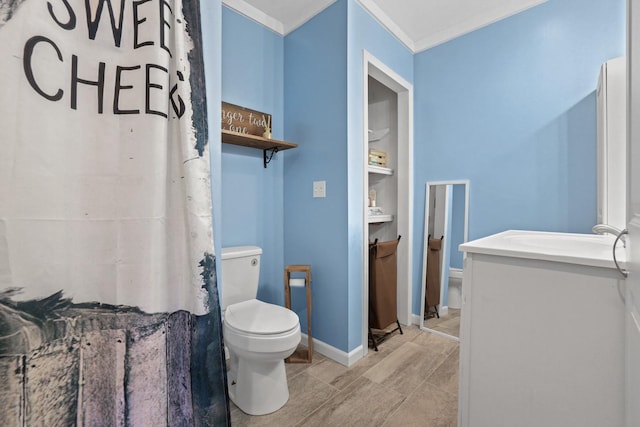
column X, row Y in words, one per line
column 542, row 332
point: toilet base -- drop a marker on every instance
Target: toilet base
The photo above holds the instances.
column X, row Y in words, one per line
column 257, row 387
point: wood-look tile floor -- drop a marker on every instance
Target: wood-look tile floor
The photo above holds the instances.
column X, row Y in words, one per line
column 411, row 381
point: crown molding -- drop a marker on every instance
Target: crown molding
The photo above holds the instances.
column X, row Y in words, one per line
column 469, row 26
column 318, row 6
column 384, row 20
column 272, row 23
column 370, row 6
column 255, row 14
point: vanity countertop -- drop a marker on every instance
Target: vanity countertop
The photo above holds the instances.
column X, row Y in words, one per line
column 572, row 248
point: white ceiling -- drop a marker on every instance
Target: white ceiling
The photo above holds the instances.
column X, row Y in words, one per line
column 418, row 24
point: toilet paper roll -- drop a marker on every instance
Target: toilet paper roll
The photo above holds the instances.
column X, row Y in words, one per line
column 296, row 283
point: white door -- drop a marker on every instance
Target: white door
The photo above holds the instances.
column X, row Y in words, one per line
column 632, row 300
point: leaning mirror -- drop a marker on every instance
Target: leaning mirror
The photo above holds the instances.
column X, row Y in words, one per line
column 446, row 226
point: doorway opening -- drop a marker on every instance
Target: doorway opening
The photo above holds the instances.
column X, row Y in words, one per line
column 388, row 178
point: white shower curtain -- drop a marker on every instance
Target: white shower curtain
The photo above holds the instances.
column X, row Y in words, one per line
column 109, row 310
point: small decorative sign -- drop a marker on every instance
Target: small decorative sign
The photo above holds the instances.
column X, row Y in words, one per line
column 246, row 121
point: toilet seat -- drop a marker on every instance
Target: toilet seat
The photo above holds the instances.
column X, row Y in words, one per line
column 254, row 317
column 260, row 327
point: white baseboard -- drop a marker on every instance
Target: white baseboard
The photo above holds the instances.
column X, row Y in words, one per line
column 415, row 319
column 337, row 355
column 354, row 355
column 455, row 273
column 343, row 358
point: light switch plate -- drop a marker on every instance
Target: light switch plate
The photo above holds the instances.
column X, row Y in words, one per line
column 319, row 189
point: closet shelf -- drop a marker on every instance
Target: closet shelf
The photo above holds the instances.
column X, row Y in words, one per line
column 373, row 219
column 380, row 170
column 378, row 134
column 253, row 141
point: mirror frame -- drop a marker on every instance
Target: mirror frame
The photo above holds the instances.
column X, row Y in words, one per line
column 425, row 247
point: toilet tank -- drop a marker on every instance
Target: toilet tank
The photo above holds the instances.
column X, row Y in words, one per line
column 240, row 274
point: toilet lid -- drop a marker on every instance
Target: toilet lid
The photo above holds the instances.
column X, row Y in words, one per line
column 257, row 317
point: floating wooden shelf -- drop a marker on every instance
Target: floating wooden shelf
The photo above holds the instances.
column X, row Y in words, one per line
column 253, row 141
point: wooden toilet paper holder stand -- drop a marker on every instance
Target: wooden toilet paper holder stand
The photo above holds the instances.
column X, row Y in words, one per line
column 301, row 355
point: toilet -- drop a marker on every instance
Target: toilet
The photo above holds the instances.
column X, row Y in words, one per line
column 257, row 335
column 454, row 296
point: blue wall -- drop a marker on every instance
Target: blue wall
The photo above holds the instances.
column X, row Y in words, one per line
column 364, row 34
column 316, row 118
column 323, row 113
column 252, row 196
column 511, row 107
